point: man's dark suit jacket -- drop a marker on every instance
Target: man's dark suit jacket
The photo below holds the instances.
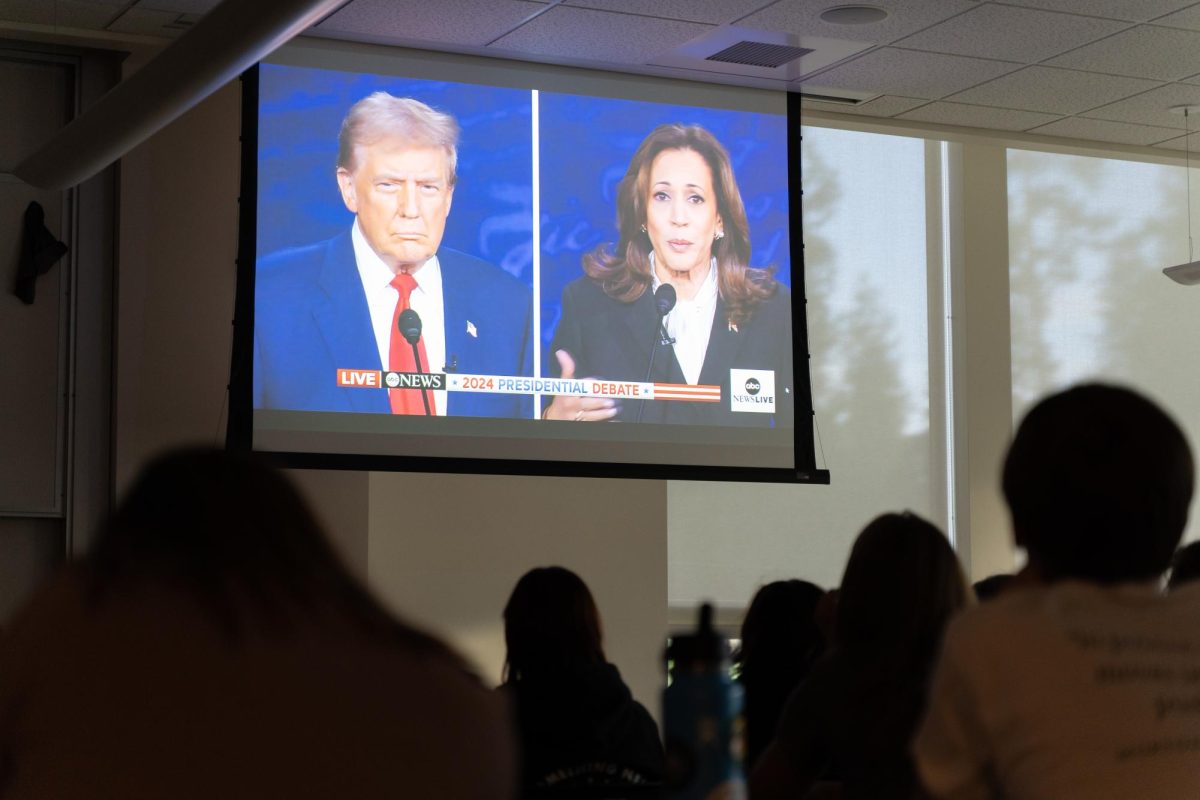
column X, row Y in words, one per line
column 611, row 339
column 311, row 319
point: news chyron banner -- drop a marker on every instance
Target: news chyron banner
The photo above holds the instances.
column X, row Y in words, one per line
column 514, row 384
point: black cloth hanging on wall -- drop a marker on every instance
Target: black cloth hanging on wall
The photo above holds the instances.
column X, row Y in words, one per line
column 40, row 249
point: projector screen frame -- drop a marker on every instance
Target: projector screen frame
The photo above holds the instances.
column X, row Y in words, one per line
column 240, row 436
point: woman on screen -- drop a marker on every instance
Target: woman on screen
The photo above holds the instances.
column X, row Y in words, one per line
column 682, row 230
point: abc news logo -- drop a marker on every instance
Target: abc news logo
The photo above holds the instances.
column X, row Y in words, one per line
column 434, row 381
column 752, row 390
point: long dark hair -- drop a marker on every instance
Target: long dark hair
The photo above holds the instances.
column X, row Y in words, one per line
column 779, row 631
column 624, row 272
column 233, row 531
column 780, row 643
column 551, row 625
column 902, row 584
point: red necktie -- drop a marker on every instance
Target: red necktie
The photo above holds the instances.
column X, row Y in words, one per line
column 400, row 354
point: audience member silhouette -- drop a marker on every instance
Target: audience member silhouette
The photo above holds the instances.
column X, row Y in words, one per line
column 579, row 725
column 853, row 718
column 1185, row 566
column 212, row 645
column 780, row 642
column 1080, row 686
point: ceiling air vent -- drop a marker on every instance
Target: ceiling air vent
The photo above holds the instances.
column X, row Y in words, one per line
column 837, row 99
column 759, row 54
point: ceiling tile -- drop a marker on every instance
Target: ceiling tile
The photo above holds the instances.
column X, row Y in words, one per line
column 1011, row 34
column 1165, row 54
column 905, row 17
column 61, row 13
column 1001, row 119
column 715, row 12
column 1052, row 91
column 584, row 33
column 1132, row 10
column 1099, row 130
column 148, row 22
column 180, row 6
column 1187, row 18
column 469, row 22
column 1150, row 108
column 1183, row 144
column 885, row 106
column 910, row 73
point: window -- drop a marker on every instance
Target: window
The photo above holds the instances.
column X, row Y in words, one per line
column 868, row 316
column 1088, row 238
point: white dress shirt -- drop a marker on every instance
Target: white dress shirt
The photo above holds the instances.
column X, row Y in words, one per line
column 690, row 322
column 426, row 300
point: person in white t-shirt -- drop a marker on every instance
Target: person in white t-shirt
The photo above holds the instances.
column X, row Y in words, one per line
column 1085, row 683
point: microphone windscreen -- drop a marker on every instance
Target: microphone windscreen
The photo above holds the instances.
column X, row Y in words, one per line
column 664, row 299
column 410, row 325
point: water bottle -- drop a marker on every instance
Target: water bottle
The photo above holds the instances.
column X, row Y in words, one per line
column 702, row 709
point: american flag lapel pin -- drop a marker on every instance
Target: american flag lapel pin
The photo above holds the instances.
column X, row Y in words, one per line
column 472, row 330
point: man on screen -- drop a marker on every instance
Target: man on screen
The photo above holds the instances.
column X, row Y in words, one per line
column 336, row 305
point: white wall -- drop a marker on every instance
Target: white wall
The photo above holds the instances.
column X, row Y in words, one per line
column 177, row 251
column 984, row 375
column 446, row 551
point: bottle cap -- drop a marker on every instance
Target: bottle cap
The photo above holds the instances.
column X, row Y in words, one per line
column 705, row 648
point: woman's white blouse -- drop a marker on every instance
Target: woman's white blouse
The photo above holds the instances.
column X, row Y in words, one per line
column 690, row 322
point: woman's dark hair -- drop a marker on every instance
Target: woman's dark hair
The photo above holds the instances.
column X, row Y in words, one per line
column 901, row 586
column 1098, row 480
column 780, row 643
column 779, row 632
column 234, row 532
column 550, row 624
column 624, row 273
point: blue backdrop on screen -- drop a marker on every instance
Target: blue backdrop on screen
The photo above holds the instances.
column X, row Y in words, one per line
column 298, row 200
column 586, row 145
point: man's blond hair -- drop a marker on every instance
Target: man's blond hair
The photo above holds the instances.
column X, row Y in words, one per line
column 382, row 115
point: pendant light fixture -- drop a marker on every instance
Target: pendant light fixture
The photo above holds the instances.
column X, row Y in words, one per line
column 1189, row 273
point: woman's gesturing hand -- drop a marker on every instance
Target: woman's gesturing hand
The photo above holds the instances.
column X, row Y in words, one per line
column 578, row 409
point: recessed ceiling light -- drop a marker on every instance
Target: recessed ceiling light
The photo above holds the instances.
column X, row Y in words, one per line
column 853, row 15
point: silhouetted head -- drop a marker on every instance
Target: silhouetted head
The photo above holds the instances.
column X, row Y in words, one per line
column 779, row 630
column 233, row 531
column 550, row 624
column 902, row 584
column 1185, row 566
column 1098, row 481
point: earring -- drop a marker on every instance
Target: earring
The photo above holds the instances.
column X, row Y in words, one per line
column 643, row 229
column 719, row 235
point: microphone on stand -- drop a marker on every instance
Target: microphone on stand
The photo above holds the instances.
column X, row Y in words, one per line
column 664, row 301
column 410, row 328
